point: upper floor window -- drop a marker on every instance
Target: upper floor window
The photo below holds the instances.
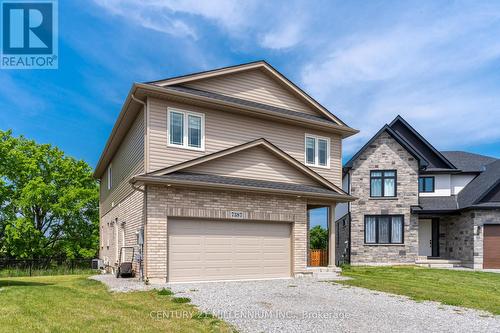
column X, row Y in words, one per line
column 186, row 129
column 110, row 177
column 384, row 229
column 426, row 184
column 383, row 183
column 317, row 151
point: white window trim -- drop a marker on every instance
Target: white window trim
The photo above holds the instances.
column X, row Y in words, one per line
column 110, row 176
column 316, row 151
column 185, row 139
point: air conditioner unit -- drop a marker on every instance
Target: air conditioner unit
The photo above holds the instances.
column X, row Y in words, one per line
column 97, row 264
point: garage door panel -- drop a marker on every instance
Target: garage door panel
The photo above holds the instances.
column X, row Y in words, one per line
column 491, row 247
column 223, row 250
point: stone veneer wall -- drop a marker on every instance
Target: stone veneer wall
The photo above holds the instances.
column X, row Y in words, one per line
column 384, row 154
column 458, row 237
column 166, row 202
column 482, row 217
column 342, row 240
column 464, row 234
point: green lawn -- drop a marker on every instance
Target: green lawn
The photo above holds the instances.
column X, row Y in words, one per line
column 477, row 290
column 73, row 303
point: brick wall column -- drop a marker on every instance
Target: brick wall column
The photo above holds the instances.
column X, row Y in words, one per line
column 156, row 237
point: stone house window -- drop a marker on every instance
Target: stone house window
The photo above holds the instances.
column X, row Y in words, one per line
column 384, row 229
column 383, row 183
column 426, row 184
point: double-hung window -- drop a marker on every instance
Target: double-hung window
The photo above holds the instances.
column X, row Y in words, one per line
column 384, row 229
column 383, row 183
column 426, row 184
column 317, row 151
column 186, row 129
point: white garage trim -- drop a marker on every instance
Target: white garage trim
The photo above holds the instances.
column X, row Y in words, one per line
column 213, row 250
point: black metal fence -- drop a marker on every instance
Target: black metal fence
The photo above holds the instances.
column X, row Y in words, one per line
column 42, row 266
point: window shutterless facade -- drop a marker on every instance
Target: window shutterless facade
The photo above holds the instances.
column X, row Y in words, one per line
column 384, row 229
column 317, row 151
column 426, row 184
column 186, row 129
column 383, row 183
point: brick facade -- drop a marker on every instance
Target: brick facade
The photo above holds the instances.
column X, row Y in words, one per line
column 167, row 202
column 384, row 154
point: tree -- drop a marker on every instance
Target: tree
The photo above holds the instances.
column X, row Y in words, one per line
column 48, row 201
column 318, row 237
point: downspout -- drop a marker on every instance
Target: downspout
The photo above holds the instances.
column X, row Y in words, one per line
column 142, row 190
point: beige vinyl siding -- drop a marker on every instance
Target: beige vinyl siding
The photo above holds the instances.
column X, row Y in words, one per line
column 227, row 129
column 130, row 212
column 127, row 162
column 254, row 163
column 253, row 85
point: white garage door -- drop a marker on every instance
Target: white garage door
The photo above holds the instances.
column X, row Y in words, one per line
column 220, row 250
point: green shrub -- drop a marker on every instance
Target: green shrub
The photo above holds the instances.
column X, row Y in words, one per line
column 181, row 300
column 165, row 292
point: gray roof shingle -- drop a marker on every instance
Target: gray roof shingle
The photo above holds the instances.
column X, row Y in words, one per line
column 436, row 204
column 205, row 178
column 468, row 162
column 480, row 186
column 469, row 197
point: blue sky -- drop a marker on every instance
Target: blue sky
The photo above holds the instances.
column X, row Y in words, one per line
column 436, row 63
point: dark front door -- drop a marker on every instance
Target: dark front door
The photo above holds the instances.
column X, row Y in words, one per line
column 435, row 237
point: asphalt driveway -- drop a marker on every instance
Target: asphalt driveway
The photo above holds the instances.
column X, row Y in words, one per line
column 306, row 304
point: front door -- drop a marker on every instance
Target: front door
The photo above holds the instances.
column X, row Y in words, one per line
column 425, row 237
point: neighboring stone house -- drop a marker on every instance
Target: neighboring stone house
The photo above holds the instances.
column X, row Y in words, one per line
column 419, row 205
column 210, row 176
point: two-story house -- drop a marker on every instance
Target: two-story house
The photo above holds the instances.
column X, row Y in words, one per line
column 420, row 205
column 210, row 176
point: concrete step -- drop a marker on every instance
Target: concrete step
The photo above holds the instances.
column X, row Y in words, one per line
column 438, row 263
column 323, row 269
column 326, row 275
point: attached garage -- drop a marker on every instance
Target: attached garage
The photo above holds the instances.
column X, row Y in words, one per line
column 206, row 250
column 491, row 250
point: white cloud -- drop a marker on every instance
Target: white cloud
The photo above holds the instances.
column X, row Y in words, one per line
column 152, row 15
column 284, row 37
column 428, row 69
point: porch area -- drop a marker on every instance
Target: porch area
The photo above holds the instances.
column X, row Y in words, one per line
column 445, row 241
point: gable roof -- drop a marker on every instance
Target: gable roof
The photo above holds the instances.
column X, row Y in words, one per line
column 480, row 186
column 255, row 143
column 468, row 162
column 430, row 158
column 471, row 196
column 246, row 184
column 247, row 103
column 419, row 143
column 422, row 161
column 262, row 65
column 136, row 101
